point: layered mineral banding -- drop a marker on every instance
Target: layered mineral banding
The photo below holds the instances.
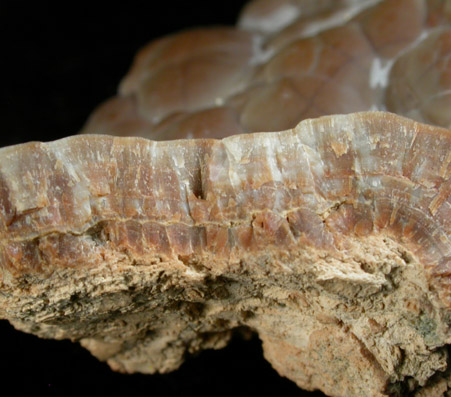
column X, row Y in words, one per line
column 286, row 61
column 331, row 241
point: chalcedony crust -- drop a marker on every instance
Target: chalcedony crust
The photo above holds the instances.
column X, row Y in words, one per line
column 330, row 240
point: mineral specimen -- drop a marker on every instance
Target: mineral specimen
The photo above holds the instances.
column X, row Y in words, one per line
column 331, row 241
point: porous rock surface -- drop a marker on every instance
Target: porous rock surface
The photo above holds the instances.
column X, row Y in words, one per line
column 288, row 60
column 330, row 240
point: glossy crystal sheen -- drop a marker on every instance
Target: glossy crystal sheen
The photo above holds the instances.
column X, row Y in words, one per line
column 287, row 61
column 386, row 174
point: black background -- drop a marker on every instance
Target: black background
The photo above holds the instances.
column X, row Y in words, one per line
column 58, row 62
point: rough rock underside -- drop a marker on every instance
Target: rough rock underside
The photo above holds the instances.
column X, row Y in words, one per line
column 330, row 240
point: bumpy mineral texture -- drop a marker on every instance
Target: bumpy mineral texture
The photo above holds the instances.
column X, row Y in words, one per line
column 330, row 240
column 286, row 61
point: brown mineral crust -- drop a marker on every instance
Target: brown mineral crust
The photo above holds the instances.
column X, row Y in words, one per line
column 439, row 13
column 391, row 25
column 330, row 240
column 181, row 72
column 120, row 114
column 421, row 81
column 285, row 62
column 201, row 124
column 270, row 16
column 309, row 78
